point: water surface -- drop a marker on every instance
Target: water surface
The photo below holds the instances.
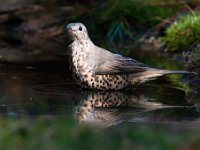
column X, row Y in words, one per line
column 47, row 89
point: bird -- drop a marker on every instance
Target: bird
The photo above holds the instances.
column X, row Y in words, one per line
column 94, row 67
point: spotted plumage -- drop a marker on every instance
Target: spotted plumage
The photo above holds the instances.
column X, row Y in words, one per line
column 97, row 68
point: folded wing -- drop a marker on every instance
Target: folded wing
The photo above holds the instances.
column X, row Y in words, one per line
column 117, row 64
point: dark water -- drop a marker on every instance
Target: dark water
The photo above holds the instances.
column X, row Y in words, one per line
column 48, row 90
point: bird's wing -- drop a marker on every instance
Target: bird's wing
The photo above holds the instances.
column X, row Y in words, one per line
column 111, row 63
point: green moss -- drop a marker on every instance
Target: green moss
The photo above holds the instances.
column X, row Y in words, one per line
column 184, row 33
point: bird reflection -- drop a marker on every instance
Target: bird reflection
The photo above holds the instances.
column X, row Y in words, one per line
column 113, row 107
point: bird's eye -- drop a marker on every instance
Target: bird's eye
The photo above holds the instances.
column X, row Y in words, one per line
column 80, row 28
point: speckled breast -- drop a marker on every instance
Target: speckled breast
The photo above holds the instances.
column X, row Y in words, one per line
column 85, row 76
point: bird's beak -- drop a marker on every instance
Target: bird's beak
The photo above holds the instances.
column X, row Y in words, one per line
column 66, row 28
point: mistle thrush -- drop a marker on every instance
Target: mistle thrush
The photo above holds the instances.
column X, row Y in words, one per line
column 97, row 68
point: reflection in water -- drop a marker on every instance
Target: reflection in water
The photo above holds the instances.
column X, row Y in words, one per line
column 114, row 107
column 93, row 106
column 47, row 91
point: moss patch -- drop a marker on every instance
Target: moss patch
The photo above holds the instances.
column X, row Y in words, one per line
column 183, row 33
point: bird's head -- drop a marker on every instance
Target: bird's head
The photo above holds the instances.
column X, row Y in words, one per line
column 76, row 31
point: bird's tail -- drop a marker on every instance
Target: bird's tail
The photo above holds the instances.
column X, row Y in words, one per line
column 152, row 74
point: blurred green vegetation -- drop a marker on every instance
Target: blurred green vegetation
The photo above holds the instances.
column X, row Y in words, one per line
column 60, row 133
column 126, row 20
column 137, row 12
column 184, row 33
column 126, row 17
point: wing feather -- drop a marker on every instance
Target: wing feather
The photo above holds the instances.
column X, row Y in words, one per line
column 110, row 63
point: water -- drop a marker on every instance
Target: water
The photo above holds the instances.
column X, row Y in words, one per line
column 47, row 89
